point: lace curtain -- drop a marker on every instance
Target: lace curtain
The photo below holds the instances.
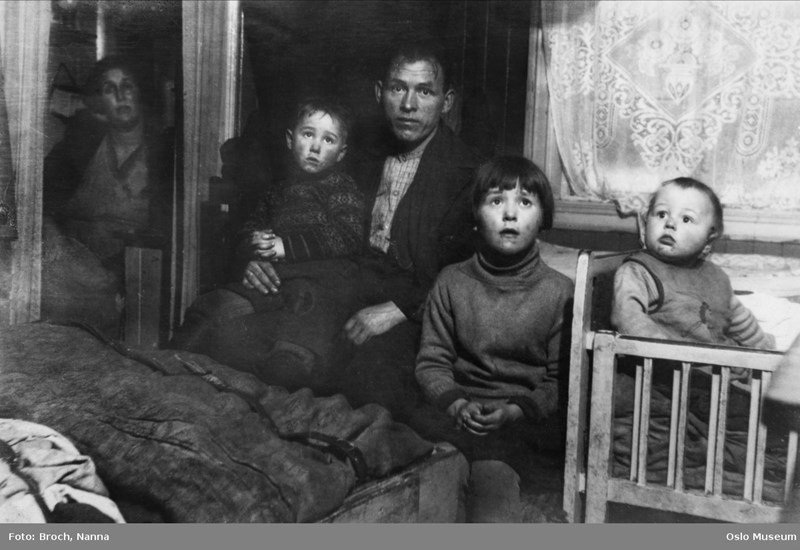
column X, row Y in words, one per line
column 646, row 91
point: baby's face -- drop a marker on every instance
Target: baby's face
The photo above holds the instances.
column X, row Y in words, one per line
column 316, row 143
column 679, row 225
column 509, row 220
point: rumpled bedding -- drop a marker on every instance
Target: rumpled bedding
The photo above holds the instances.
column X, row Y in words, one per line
column 175, row 448
column 44, row 478
column 777, row 316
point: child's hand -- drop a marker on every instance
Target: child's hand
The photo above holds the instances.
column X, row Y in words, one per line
column 467, row 414
column 494, row 415
column 462, row 411
column 263, row 243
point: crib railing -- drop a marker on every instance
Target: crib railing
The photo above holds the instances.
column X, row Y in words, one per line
column 602, row 487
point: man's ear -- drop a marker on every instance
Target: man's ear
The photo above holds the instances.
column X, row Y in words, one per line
column 378, row 90
column 341, row 154
column 449, row 100
column 289, row 136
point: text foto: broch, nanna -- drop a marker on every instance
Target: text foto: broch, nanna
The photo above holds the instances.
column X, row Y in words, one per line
column 58, row 537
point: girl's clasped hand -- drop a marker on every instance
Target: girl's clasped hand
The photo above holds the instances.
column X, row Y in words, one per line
column 483, row 418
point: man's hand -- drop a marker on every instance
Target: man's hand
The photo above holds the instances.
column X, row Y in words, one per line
column 372, row 321
column 261, row 276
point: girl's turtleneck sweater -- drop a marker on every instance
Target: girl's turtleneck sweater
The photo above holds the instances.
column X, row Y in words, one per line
column 496, row 332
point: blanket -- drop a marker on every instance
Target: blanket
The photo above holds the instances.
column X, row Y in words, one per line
column 696, row 442
column 178, row 437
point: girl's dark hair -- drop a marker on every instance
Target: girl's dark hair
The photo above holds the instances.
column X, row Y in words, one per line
column 691, row 183
column 504, row 173
column 324, row 104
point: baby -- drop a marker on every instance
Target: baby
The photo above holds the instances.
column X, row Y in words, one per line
column 493, row 337
column 668, row 290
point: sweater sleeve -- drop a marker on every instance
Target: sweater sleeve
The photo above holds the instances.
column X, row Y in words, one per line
column 258, row 220
column 745, row 330
column 635, row 292
column 437, row 354
column 544, row 401
column 339, row 230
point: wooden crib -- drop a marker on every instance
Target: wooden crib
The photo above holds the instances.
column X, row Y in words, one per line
column 591, row 482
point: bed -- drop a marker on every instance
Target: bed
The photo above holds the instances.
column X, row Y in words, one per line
column 645, row 429
column 178, row 437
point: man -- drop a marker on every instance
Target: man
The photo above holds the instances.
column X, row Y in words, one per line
column 415, row 180
column 421, row 220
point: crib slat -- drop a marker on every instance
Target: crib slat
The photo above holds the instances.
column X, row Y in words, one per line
column 719, row 451
column 673, row 426
column 644, row 428
column 791, row 465
column 637, row 422
column 682, row 421
column 752, row 433
column 713, row 420
column 601, row 418
column 759, row 388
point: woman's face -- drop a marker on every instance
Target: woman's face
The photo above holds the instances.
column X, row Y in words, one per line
column 120, row 99
column 509, row 220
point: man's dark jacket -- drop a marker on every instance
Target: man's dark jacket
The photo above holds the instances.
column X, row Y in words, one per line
column 433, row 224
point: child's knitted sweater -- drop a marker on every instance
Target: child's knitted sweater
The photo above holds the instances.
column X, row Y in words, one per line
column 492, row 332
column 316, row 217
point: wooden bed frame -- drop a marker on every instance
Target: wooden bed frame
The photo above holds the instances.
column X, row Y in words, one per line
column 589, row 485
column 426, row 492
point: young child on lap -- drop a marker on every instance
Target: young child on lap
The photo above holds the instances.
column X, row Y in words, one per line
column 295, row 247
column 317, row 213
column 492, row 338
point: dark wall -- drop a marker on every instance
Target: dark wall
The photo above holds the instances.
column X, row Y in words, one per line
column 340, row 46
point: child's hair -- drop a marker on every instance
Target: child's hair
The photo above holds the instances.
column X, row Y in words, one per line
column 691, row 183
column 327, row 105
column 504, row 173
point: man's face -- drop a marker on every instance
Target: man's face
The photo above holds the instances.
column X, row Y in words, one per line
column 679, row 225
column 317, row 142
column 509, row 220
column 413, row 99
column 120, row 100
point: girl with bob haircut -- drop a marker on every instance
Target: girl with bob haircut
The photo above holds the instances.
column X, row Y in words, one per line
column 494, row 336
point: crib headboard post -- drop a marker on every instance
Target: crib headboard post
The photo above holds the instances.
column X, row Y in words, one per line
column 593, row 293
